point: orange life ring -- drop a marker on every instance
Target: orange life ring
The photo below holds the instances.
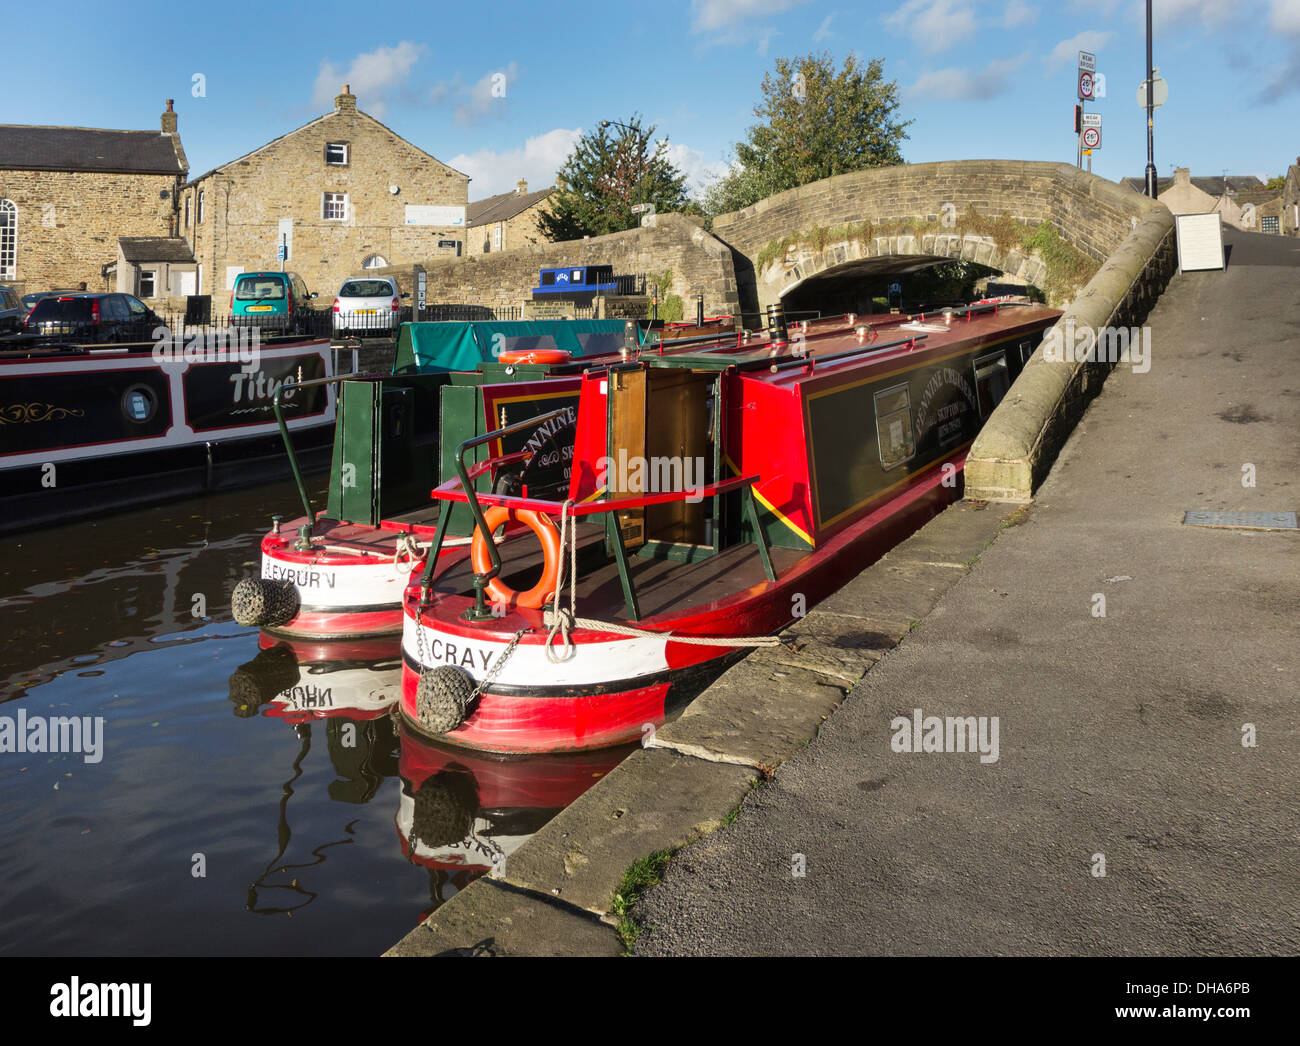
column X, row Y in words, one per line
column 547, row 533
column 536, row 356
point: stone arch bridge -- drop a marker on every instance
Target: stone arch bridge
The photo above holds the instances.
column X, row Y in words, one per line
column 897, row 219
column 1049, row 225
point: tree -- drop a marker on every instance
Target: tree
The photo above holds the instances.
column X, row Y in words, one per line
column 1278, row 183
column 815, row 122
column 609, row 170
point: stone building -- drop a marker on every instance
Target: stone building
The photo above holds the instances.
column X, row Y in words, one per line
column 68, row 193
column 500, row 223
column 342, row 193
column 1242, row 201
column 1289, row 207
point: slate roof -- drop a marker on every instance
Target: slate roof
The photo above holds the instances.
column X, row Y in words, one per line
column 503, row 207
column 156, row 249
column 87, row 149
column 1213, row 186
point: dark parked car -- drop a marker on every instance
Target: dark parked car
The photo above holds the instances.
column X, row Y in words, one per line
column 11, row 311
column 92, row 318
column 30, row 300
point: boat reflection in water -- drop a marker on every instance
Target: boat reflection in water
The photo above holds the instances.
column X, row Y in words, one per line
column 460, row 814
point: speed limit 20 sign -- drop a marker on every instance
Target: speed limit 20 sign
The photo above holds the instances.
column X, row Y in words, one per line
column 1085, row 85
column 1092, row 137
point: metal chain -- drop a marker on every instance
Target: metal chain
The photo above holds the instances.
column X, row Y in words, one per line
column 491, row 674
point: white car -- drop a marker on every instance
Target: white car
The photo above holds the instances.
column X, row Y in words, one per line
column 367, row 304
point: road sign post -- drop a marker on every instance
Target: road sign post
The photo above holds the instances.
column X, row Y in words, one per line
column 1087, row 85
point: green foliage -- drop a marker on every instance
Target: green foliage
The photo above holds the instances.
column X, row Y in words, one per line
column 641, row 876
column 814, row 122
column 1277, row 183
column 671, row 307
column 609, row 170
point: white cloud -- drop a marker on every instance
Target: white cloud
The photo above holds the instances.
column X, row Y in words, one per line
column 1166, row 14
column 476, row 102
column 1284, row 16
column 936, row 24
column 1067, row 51
column 691, row 163
column 708, row 16
column 964, row 85
column 824, row 30
column 373, row 76
column 537, row 161
column 1019, row 13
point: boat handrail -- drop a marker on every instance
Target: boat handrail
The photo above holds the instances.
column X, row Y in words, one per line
column 466, row 494
column 290, row 386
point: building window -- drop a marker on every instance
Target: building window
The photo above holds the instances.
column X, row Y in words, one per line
column 373, row 261
column 8, row 239
column 334, row 206
column 187, row 212
column 148, row 279
column 199, row 216
column 336, row 154
column 496, row 237
column 1269, row 223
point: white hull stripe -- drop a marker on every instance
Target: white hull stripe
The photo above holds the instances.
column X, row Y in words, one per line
column 323, row 586
column 591, row 664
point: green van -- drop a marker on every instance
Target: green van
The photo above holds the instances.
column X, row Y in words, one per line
column 272, row 301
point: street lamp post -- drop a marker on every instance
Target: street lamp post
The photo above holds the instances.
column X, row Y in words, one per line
column 1151, row 142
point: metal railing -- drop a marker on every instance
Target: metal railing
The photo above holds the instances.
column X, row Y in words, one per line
column 609, row 507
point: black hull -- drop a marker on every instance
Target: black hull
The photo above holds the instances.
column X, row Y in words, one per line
column 91, row 488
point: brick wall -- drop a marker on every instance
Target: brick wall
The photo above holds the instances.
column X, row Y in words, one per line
column 69, row 222
column 245, row 201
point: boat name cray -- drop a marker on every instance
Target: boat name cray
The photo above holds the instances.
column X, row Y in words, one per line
column 54, row 734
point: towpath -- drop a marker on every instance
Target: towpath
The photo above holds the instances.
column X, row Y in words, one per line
column 1120, row 737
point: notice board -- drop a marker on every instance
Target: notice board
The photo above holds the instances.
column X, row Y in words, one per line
column 1200, row 242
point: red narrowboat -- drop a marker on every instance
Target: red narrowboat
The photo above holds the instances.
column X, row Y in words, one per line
column 717, row 493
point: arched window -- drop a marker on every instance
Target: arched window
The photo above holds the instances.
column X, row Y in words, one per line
column 8, row 239
column 373, row 261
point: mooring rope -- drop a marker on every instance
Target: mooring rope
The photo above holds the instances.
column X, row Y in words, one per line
column 564, row 621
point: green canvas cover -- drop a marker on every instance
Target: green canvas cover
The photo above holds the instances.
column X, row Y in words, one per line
column 428, row 348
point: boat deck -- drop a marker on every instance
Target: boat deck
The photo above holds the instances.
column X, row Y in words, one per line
column 661, row 585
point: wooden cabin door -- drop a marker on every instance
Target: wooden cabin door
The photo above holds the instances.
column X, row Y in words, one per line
column 627, row 447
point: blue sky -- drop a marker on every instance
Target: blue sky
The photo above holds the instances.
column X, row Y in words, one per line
column 980, row 78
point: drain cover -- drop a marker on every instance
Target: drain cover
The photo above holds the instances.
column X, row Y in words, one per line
column 1241, row 520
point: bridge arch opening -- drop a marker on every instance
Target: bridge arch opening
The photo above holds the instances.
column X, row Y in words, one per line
column 862, row 286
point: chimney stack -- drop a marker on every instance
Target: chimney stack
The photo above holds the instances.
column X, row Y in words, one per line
column 521, row 187
column 169, row 118
column 345, row 102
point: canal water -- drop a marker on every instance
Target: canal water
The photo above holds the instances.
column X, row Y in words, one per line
column 246, row 797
